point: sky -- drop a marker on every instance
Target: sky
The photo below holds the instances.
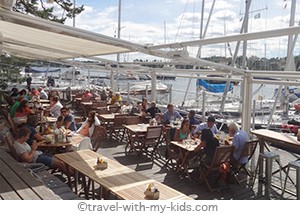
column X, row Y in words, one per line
column 167, row 21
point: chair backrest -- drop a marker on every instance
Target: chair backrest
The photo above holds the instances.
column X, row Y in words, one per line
column 102, row 110
column 249, row 149
column 133, row 120
column 114, row 109
column 98, row 131
column 153, row 136
column 222, row 154
column 119, row 120
column 7, row 137
column 154, row 132
column 10, row 121
column 99, row 103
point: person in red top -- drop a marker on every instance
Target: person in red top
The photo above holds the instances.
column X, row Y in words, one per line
column 23, row 109
column 87, row 94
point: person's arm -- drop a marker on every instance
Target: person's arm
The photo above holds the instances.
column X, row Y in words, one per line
column 82, row 126
column 38, row 137
column 166, row 118
column 67, row 124
column 200, row 146
column 97, row 121
column 28, row 156
column 176, row 135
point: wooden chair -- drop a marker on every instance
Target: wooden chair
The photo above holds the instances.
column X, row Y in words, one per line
column 222, row 155
column 116, row 128
column 171, row 153
column 248, row 151
column 12, row 125
column 150, row 140
column 97, row 136
column 7, row 137
column 102, row 110
column 114, row 109
column 133, row 120
column 98, row 104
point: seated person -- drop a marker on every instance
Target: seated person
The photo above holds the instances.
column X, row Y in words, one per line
column 193, row 120
column 23, row 93
column 14, row 92
column 30, row 154
column 208, row 145
column 238, row 137
column 205, row 151
column 171, row 115
column 87, row 93
column 87, row 128
column 55, row 106
column 43, row 94
column 210, row 124
column 116, row 99
column 68, row 119
column 153, row 109
column 183, row 132
column 31, row 124
column 60, row 122
column 15, row 106
column 103, row 95
column 22, row 113
column 142, row 108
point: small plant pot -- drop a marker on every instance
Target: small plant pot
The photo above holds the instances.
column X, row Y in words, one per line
column 101, row 166
column 152, row 195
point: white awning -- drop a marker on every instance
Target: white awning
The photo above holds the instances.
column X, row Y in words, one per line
column 31, row 37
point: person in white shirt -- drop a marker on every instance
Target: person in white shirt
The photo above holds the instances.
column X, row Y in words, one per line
column 55, row 106
column 43, row 94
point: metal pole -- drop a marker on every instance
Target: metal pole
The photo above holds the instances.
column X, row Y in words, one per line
column 119, row 26
column 203, row 105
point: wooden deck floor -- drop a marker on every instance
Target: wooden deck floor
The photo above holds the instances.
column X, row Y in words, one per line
column 157, row 170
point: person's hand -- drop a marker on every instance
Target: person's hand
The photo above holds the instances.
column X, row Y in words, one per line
column 34, row 145
column 227, row 142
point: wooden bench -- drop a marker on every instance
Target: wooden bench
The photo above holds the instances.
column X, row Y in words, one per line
column 18, row 184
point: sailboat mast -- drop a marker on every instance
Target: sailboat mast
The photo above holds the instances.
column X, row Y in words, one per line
column 119, row 26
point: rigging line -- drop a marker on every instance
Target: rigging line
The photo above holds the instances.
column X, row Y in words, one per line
column 177, row 33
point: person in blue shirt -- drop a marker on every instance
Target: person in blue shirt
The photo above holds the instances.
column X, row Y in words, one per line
column 192, row 119
column 210, row 124
column 68, row 119
column 171, row 115
column 238, row 138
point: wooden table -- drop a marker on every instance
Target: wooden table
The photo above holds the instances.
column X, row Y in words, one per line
column 16, row 183
column 117, row 178
column 54, row 147
column 134, row 131
column 186, row 147
column 284, row 141
column 106, row 118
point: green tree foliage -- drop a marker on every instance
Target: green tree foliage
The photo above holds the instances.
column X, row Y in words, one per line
column 9, row 65
column 10, row 70
column 32, row 7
